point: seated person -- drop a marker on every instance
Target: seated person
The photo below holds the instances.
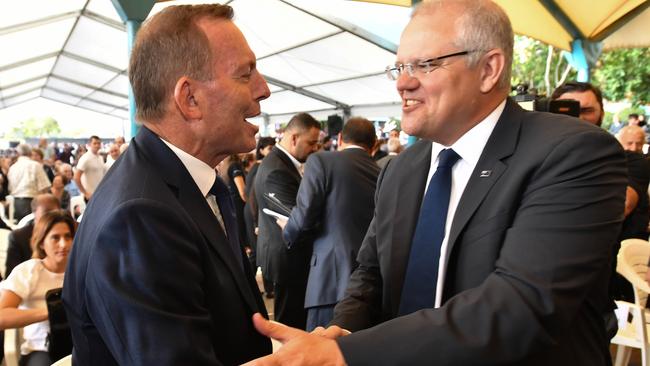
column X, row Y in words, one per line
column 19, row 248
column 22, row 294
column 58, row 190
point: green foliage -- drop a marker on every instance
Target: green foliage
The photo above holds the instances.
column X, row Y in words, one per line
column 625, row 75
column 529, row 65
column 36, row 127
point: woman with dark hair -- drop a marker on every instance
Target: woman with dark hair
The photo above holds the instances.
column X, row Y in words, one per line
column 264, row 147
column 22, row 294
column 58, row 190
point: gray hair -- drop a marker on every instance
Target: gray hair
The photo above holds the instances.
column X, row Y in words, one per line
column 394, row 145
column 24, row 150
column 482, row 26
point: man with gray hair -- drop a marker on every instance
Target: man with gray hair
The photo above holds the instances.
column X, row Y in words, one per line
column 26, row 179
column 491, row 238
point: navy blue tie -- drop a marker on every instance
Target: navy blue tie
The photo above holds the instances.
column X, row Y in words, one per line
column 227, row 209
column 419, row 288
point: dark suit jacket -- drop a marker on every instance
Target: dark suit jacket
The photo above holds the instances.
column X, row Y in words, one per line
column 529, row 253
column 278, row 175
column 334, row 206
column 152, row 279
column 19, row 247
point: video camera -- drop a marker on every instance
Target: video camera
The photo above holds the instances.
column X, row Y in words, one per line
column 533, row 102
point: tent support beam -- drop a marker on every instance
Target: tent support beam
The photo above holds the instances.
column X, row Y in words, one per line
column 307, row 93
column 351, row 28
column 133, row 13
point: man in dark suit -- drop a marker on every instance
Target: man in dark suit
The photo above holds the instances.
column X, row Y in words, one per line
column 492, row 236
column 333, row 210
column 279, row 175
column 156, row 275
column 19, row 247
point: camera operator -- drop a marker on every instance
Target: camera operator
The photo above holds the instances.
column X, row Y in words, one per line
column 636, row 197
column 589, row 97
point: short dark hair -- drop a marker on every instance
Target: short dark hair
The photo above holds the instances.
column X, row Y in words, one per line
column 168, row 46
column 577, row 86
column 94, row 137
column 261, row 144
column 302, row 122
column 359, row 131
column 633, row 115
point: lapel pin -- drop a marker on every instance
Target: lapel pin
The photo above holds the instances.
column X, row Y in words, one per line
column 485, row 173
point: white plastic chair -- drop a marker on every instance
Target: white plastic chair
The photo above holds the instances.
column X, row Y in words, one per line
column 4, row 243
column 25, row 220
column 10, row 210
column 632, row 263
column 65, row 361
column 77, row 201
column 13, row 339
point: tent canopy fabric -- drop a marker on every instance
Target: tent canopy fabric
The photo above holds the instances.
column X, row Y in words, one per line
column 75, row 52
column 616, row 23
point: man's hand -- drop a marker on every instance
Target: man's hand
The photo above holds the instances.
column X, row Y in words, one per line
column 281, row 222
column 299, row 347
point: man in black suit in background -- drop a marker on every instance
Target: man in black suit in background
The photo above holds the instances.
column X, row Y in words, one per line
column 492, row 235
column 19, row 247
column 333, row 210
column 156, row 275
column 279, row 175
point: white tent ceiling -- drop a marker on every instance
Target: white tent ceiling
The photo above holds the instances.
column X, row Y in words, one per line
column 74, row 52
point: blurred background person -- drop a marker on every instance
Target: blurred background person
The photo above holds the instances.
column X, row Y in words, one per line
column 26, row 179
column 58, row 190
column 264, row 146
column 90, row 169
column 394, row 148
column 22, row 294
column 113, row 154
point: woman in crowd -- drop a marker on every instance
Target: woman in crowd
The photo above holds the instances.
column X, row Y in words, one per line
column 58, row 190
column 264, row 147
column 22, row 294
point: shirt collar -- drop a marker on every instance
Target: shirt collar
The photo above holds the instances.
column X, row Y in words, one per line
column 295, row 162
column 470, row 146
column 202, row 173
column 353, row 146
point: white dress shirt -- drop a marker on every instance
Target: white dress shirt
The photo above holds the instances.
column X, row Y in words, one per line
column 469, row 147
column 203, row 175
column 295, row 162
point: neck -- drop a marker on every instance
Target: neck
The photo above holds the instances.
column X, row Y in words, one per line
column 53, row 266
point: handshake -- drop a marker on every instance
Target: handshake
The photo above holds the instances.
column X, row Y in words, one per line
column 298, row 346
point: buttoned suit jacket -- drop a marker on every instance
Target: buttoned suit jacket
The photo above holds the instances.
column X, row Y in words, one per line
column 528, row 253
column 152, row 279
column 277, row 175
column 333, row 210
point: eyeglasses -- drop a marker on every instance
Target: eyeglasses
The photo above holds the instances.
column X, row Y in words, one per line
column 424, row 67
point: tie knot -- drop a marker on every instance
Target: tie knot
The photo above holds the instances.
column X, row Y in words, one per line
column 219, row 188
column 447, row 158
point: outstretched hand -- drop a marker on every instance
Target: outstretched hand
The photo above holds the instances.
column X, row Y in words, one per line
column 299, row 347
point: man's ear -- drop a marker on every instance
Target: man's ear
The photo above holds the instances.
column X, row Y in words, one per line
column 186, row 98
column 492, row 67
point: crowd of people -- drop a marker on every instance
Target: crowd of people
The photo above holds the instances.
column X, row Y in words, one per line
column 491, row 240
column 41, row 181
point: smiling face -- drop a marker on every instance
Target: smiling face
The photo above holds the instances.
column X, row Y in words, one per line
column 233, row 94
column 57, row 245
column 436, row 106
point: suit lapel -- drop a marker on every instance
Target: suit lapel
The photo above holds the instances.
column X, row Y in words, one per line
column 287, row 161
column 501, row 144
column 195, row 205
column 412, row 180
